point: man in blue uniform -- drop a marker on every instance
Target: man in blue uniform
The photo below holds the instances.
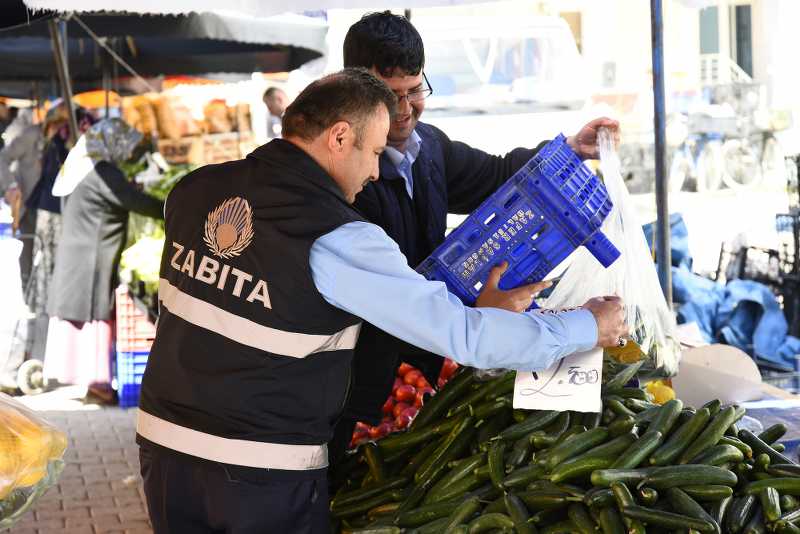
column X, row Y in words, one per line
column 266, row 275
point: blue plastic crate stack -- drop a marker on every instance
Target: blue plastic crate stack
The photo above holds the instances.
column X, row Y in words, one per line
column 543, row 213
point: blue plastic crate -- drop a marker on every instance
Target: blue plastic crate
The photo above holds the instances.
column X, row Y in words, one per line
column 130, row 369
column 6, row 231
column 549, row 208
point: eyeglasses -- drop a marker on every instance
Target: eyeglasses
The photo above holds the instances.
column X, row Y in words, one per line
column 419, row 94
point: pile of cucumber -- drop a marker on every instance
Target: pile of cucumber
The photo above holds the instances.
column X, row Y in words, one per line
column 469, row 463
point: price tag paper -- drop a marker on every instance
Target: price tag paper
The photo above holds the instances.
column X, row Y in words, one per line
column 573, row 383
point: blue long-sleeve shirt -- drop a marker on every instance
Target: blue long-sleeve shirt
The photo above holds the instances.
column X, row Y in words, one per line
column 359, row 269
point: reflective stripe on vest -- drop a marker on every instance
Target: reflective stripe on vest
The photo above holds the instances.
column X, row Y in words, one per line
column 247, row 332
column 231, row 451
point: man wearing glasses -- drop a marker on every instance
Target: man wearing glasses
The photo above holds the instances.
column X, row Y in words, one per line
column 423, row 176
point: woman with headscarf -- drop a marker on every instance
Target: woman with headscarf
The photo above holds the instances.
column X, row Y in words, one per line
column 95, row 222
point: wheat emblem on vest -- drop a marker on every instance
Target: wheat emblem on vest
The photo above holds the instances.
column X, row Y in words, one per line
column 229, row 228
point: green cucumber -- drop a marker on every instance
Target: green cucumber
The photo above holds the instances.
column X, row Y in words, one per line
column 688, row 475
column 599, row 498
column 456, row 440
column 623, row 377
column 621, row 425
column 639, row 450
column 648, row 496
column 746, row 449
column 759, row 447
column 427, row 513
column 616, row 406
column 670, row 520
column 575, row 445
column 720, row 509
column 761, row 463
column 604, row 477
column 496, row 464
column 362, row 507
column 535, row 421
column 580, row 517
column 713, row 406
column 520, row 452
column 610, row 521
column 719, row 455
column 592, row 420
column 770, row 503
column 523, row 476
column 638, row 405
column 374, row 459
column 435, row 407
column 784, row 470
column 463, row 469
column 684, row 504
column 487, row 390
column 789, row 503
column 786, row 486
column 773, row 433
column 519, row 514
column 666, row 417
column 739, row 513
column 487, row 522
column 681, row 438
column 624, row 498
column 545, row 500
column 463, row 513
column 708, row 492
column 433, row 527
column 711, row 435
column 455, row 489
column 352, row 497
column 756, row 524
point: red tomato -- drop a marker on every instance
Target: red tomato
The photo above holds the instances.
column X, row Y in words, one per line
column 361, row 427
column 448, row 368
column 440, row 382
column 388, row 405
column 410, row 411
column 374, row 432
column 399, row 407
column 422, row 382
column 404, row 368
column 411, row 377
column 405, row 393
column 397, row 383
column 402, row 420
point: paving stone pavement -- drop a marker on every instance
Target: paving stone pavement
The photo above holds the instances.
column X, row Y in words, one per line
column 100, row 490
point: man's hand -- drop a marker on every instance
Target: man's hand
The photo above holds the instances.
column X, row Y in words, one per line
column 515, row 300
column 609, row 313
column 584, row 143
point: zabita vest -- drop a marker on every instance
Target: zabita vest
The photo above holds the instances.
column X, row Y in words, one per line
column 250, row 365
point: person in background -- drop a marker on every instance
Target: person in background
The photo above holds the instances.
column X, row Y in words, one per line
column 48, row 207
column 7, row 116
column 424, row 176
column 95, row 224
column 266, row 275
column 20, row 169
column 276, row 101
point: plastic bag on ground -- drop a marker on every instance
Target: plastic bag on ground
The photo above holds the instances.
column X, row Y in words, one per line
column 632, row 276
column 31, row 458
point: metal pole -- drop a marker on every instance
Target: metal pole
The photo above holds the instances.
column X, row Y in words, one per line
column 663, row 253
column 63, row 76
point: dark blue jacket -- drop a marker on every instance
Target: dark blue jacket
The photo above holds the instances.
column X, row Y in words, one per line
column 449, row 177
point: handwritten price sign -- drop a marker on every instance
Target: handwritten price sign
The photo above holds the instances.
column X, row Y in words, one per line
column 571, row 384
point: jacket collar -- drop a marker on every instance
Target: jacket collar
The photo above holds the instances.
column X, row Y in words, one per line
column 297, row 162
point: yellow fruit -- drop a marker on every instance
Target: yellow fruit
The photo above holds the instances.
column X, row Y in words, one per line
column 660, row 391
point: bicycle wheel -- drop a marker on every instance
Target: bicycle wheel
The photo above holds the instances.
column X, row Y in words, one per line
column 710, row 167
column 679, row 170
column 773, row 163
column 742, row 164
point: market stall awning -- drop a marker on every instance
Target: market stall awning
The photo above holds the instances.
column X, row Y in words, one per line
column 257, row 8
column 166, row 44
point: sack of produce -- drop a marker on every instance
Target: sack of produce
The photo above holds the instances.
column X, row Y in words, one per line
column 633, row 277
column 31, row 452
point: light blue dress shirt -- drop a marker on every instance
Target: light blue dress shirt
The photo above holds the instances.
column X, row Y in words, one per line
column 403, row 161
column 360, row 269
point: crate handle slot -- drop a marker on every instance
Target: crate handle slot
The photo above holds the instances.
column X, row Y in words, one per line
column 511, row 200
column 489, row 219
column 478, row 285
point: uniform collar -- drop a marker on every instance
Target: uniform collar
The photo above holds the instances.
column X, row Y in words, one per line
column 296, row 161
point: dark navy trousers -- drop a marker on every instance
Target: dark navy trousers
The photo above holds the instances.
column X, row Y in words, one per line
column 188, row 495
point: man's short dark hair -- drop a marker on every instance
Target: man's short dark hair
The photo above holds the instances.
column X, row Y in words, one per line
column 351, row 95
column 269, row 93
column 385, row 42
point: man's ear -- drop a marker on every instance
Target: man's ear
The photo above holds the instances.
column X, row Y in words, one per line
column 337, row 135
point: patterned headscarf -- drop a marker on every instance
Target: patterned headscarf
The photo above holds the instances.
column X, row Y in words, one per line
column 110, row 140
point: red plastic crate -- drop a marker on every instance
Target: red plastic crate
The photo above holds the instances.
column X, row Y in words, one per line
column 135, row 332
